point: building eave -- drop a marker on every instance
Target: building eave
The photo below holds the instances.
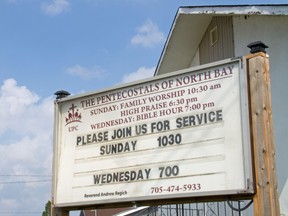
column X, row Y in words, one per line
column 190, row 24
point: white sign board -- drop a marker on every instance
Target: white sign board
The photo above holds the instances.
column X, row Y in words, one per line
column 173, row 136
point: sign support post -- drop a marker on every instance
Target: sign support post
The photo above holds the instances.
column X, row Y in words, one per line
column 266, row 200
column 58, row 212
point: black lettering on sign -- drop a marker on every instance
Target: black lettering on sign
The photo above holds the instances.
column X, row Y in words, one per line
column 199, row 119
column 118, row 148
column 160, row 126
column 92, row 138
column 122, row 176
column 122, row 133
column 169, row 140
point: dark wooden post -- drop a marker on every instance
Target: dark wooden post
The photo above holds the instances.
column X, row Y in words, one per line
column 266, row 199
column 59, row 212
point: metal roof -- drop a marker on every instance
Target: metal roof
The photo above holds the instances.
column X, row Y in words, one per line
column 264, row 9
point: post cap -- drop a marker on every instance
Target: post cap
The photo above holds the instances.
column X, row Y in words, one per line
column 61, row 94
column 257, row 46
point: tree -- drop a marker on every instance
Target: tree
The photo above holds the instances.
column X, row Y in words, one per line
column 47, row 209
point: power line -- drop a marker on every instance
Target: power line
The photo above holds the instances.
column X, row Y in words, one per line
column 22, row 182
column 43, row 178
column 17, row 212
column 28, row 175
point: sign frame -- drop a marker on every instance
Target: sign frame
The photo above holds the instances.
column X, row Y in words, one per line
column 59, row 144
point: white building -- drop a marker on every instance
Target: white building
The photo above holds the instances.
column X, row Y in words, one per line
column 206, row 34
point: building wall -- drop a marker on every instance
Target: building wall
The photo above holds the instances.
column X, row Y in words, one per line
column 195, row 59
column 223, row 48
column 273, row 31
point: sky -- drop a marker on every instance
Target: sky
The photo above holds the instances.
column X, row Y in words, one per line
column 74, row 45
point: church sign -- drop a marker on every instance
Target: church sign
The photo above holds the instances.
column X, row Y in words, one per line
column 181, row 135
